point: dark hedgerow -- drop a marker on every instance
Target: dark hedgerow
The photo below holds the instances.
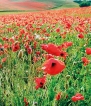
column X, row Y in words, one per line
column 84, row 4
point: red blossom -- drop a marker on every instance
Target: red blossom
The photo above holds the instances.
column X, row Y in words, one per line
column 85, row 61
column 77, row 97
column 37, row 52
column 69, row 44
column 5, row 39
column 79, row 29
column 48, row 56
column 51, row 49
column 11, row 40
column 44, row 46
column 58, row 96
column 22, row 31
column 4, row 59
column 15, row 46
column 63, row 54
column 53, row 66
column 65, row 45
column 68, row 25
column 58, row 30
column 26, row 102
column 40, row 82
column 35, row 44
column 6, row 46
column 88, row 51
column 81, row 36
column 29, row 50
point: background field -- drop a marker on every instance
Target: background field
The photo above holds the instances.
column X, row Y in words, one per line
column 35, row 5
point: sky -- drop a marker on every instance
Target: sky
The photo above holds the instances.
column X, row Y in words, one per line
column 22, row 5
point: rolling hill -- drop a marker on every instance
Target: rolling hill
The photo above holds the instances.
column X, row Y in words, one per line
column 35, row 4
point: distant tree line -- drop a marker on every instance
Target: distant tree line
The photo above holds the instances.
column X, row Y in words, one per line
column 83, row 3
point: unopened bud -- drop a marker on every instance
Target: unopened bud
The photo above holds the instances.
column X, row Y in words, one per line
column 20, row 54
column 67, row 76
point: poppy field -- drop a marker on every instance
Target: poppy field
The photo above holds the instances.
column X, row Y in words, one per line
column 45, row 58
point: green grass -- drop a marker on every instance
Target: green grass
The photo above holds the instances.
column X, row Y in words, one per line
column 8, row 13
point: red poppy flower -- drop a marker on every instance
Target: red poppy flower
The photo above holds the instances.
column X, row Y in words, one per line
column 48, row 56
column 44, row 46
column 25, row 99
column 51, row 49
column 63, row 54
column 69, row 44
column 79, row 29
column 6, row 46
column 5, row 39
column 11, row 40
column 80, row 36
column 29, row 50
column 15, row 46
column 58, row 30
column 35, row 44
column 53, row 66
column 37, row 52
column 68, row 25
column 22, row 31
column 85, row 61
column 77, row 97
column 26, row 102
column 65, row 45
column 88, row 51
column 40, row 82
column 4, row 59
column 58, row 96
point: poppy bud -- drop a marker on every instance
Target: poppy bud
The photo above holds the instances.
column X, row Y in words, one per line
column 58, row 96
column 1, row 66
column 20, row 54
column 81, row 36
column 67, row 76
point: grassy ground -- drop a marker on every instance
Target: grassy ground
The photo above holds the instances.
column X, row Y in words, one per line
column 7, row 13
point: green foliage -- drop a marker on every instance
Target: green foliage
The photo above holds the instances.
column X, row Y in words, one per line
column 84, row 4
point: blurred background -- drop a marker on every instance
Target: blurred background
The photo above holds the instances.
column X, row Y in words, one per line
column 31, row 5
